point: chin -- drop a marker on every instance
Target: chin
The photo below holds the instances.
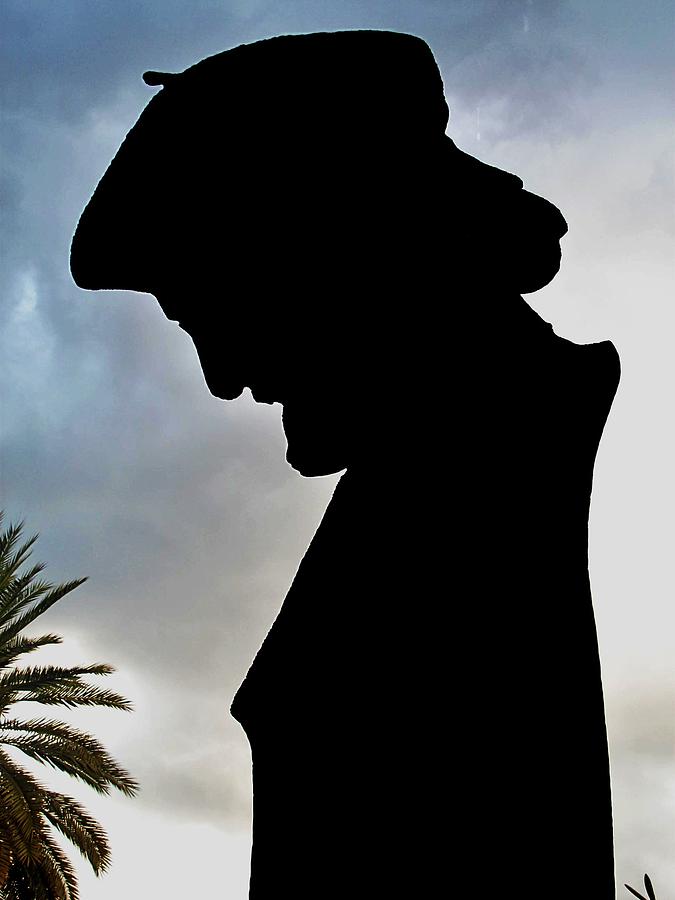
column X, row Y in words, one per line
column 314, row 447
column 548, row 266
column 312, row 462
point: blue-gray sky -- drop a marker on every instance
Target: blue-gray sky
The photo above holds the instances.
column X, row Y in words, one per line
column 181, row 508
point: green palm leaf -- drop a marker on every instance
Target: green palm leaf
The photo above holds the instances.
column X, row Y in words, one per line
column 52, row 594
column 18, row 646
column 81, row 829
column 19, row 802
column 21, row 590
column 9, row 561
column 32, row 865
column 648, row 887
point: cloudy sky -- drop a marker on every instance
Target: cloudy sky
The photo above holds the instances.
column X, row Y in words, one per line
column 180, row 507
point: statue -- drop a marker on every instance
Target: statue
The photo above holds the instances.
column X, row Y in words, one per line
column 426, row 710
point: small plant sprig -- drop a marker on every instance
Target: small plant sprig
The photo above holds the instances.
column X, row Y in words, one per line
column 648, row 887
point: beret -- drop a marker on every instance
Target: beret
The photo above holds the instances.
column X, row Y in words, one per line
column 243, row 129
column 307, row 150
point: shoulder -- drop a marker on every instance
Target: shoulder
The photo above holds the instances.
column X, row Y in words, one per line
column 599, row 361
column 588, row 377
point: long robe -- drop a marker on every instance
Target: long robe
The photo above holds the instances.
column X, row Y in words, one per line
column 426, row 713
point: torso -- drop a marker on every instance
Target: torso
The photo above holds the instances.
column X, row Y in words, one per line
column 441, row 619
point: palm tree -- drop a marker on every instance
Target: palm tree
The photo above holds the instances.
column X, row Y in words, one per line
column 33, row 865
column 648, row 887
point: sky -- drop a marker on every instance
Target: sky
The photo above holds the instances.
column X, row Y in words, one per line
column 180, row 507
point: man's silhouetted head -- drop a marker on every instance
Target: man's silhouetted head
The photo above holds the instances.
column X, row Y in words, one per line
column 296, row 205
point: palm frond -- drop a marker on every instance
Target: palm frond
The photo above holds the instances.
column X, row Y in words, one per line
column 32, row 865
column 51, row 597
column 649, row 887
column 10, row 562
column 35, row 677
column 25, row 883
column 86, row 760
column 19, row 588
column 80, row 828
column 50, row 877
column 18, row 646
column 20, row 795
column 634, row 892
column 58, row 869
column 60, row 686
column 71, row 697
column 5, row 857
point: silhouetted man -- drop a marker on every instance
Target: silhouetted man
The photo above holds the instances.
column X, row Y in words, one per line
column 426, row 712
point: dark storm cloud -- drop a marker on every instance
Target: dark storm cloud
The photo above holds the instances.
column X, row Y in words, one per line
column 60, row 59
